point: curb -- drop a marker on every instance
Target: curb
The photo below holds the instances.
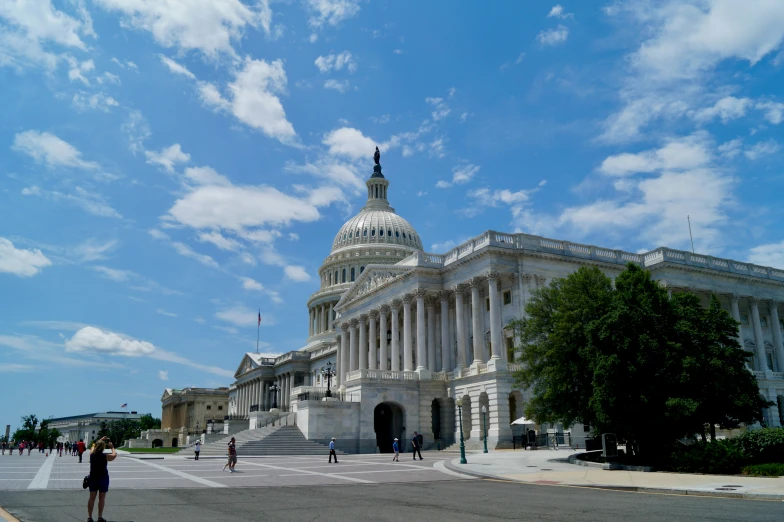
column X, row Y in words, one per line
column 633, row 489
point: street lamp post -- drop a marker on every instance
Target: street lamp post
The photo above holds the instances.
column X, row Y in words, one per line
column 484, row 418
column 328, row 372
column 459, row 404
column 274, row 391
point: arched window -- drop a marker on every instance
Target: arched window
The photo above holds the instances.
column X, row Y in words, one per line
column 361, row 269
column 352, row 273
column 344, row 276
column 373, row 232
column 351, row 234
column 404, row 235
column 364, row 233
column 397, row 233
column 389, row 232
column 336, row 277
column 381, row 232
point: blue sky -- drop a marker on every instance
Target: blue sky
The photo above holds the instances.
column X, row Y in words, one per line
column 170, row 167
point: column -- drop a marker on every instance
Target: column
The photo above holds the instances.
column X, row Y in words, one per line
column 395, row 336
column 329, row 318
column 342, row 357
column 310, row 325
column 363, row 343
column 446, row 348
column 353, row 346
column 372, row 354
column 777, row 339
column 431, row 335
column 408, row 359
column 496, row 328
column 420, row 328
column 759, row 340
column 324, row 322
column 264, row 394
column 734, row 298
column 382, row 338
column 289, row 383
column 476, row 322
column 462, row 350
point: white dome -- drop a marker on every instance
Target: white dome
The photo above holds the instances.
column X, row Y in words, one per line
column 377, row 227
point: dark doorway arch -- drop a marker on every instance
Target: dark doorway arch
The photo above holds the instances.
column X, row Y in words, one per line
column 157, row 443
column 388, row 424
column 175, row 442
column 435, row 413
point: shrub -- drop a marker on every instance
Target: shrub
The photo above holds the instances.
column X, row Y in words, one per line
column 763, row 445
column 719, row 457
column 764, row 470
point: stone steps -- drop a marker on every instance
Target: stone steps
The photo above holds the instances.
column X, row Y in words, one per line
column 268, row 441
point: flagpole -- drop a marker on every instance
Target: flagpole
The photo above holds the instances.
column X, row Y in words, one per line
column 258, row 327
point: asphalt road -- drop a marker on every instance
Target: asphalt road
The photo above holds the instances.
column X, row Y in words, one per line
column 464, row 500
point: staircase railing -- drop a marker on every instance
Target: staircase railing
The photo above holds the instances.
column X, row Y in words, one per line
column 284, row 419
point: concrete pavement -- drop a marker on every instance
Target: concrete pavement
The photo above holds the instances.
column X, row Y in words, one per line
column 551, row 467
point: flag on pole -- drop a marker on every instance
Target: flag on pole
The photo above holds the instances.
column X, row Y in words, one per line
column 124, row 405
column 259, row 319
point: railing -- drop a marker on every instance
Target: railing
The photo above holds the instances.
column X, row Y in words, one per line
column 514, row 367
column 778, row 375
column 382, row 375
column 320, row 395
column 254, row 407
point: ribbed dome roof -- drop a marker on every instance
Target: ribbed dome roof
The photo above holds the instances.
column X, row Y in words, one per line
column 377, row 227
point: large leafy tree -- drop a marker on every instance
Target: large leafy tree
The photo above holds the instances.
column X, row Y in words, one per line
column 631, row 361
column 119, row 431
column 148, row 422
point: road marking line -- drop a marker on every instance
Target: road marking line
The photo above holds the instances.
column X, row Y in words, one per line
column 184, row 475
column 440, row 466
column 307, row 472
column 8, row 517
column 41, row 479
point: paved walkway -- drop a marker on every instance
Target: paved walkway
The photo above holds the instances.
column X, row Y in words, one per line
column 148, row 472
column 551, row 467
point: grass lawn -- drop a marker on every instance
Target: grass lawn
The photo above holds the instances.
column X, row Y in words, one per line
column 151, row 450
column 764, row 470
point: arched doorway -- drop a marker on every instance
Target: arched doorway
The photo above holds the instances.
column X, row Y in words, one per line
column 157, row 443
column 435, row 416
column 388, row 424
column 175, row 441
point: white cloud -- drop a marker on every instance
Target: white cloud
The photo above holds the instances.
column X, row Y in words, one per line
column 771, row 254
column 185, row 250
column 163, row 375
column 161, row 311
column 47, row 148
column 520, row 59
column 241, row 316
column 727, row 108
column 206, row 176
column 220, row 241
column 296, row 273
column 293, row 236
column 88, row 200
column 21, row 262
column 336, row 62
column 251, row 284
column 763, row 148
column 446, row 246
column 337, row 85
column 114, row 274
column 77, row 70
column 460, row 175
column 83, row 101
column 677, row 154
column 92, row 250
column 330, row 12
column 553, row 36
column 133, row 280
column 92, row 339
column 558, row 12
column 731, row 148
column 167, row 157
column 441, row 110
column 136, row 130
column 208, row 27
column 351, row 143
column 176, row 68
column 252, row 98
column 774, row 111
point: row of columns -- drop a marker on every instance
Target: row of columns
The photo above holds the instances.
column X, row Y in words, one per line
column 257, row 392
column 320, row 319
column 759, row 340
column 359, row 343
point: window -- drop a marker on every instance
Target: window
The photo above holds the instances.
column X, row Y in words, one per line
column 361, row 269
column 769, row 357
column 764, row 322
column 351, row 234
column 364, row 233
column 404, row 235
column 587, row 428
column 487, row 304
column 352, row 273
column 397, row 233
column 344, row 276
column 744, row 319
column 336, row 277
column 389, row 232
column 510, row 349
column 381, row 232
column 781, row 322
column 209, row 407
column 220, row 408
column 373, row 232
column 508, row 297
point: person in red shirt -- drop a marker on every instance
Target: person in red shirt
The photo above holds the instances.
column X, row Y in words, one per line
column 80, row 447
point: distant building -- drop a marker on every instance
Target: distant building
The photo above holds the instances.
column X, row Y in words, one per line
column 193, row 408
column 86, row 426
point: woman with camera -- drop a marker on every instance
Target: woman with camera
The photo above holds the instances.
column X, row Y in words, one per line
column 99, row 476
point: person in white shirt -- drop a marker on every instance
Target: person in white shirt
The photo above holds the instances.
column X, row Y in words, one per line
column 197, row 448
column 332, row 451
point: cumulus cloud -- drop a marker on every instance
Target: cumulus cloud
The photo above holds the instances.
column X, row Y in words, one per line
column 19, row 261
column 207, row 27
column 220, row 241
column 176, row 68
column 330, row 12
column 770, row 254
column 677, row 153
column 557, row 11
column 163, row 375
column 50, row 150
column 251, row 284
column 774, row 111
column 460, row 174
column 336, row 62
column 84, row 101
column 337, row 85
column 92, row 339
column 296, row 273
column 441, row 110
column 727, row 108
column 252, row 98
column 763, row 148
column 167, row 157
column 553, row 37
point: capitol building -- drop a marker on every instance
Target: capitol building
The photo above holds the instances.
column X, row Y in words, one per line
column 409, row 333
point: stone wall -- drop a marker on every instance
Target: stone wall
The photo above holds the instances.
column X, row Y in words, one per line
column 319, row 421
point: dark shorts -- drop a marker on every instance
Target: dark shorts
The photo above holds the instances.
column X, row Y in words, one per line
column 232, row 459
column 100, row 485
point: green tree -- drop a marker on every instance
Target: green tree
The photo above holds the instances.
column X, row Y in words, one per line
column 119, row 431
column 27, row 431
column 148, row 422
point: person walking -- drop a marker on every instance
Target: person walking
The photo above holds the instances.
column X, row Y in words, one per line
column 197, row 448
column 3, row 445
column 396, row 449
column 232, row 455
column 332, row 451
column 80, row 449
column 99, row 477
column 415, row 443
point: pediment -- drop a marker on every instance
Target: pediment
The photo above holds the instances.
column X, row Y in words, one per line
column 372, row 279
column 247, row 364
